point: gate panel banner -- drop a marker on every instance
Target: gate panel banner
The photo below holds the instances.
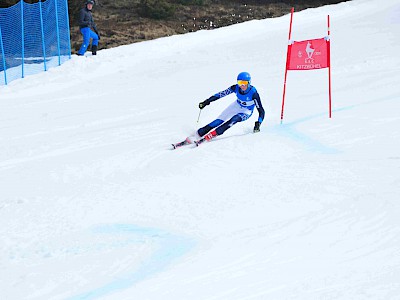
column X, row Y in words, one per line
column 308, row 55
column 305, row 55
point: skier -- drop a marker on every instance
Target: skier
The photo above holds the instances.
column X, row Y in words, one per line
column 240, row 110
column 86, row 24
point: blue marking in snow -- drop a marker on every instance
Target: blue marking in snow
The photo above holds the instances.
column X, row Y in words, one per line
column 289, row 129
column 169, row 248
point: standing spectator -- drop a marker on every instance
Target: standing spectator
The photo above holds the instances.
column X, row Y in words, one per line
column 88, row 29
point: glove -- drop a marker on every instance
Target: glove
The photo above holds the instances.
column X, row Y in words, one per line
column 204, row 104
column 256, row 127
column 98, row 34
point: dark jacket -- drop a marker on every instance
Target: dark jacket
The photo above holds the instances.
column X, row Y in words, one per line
column 86, row 19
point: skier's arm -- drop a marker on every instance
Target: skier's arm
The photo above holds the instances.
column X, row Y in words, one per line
column 223, row 93
column 217, row 96
column 261, row 112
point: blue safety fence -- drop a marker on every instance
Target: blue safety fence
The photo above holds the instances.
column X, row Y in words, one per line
column 33, row 38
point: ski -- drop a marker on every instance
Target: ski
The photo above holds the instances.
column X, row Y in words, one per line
column 180, row 144
column 189, row 140
column 199, row 142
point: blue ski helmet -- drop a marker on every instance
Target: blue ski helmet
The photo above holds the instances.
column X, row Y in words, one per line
column 89, row 2
column 244, row 76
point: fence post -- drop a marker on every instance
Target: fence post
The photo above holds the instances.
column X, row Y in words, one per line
column 58, row 34
column 69, row 32
column 42, row 29
column 23, row 39
column 4, row 57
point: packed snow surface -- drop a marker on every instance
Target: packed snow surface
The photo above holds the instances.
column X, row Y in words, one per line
column 95, row 205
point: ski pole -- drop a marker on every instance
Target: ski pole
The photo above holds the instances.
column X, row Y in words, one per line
column 198, row 117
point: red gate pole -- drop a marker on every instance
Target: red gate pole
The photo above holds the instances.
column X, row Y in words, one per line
column 329, row 69
column 287, row 62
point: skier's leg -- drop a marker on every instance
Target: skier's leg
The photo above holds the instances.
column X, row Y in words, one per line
column 203, row 130
column 86, row 40
column 94, row 37
column 228, row 112
column 225, row 126
column 95, row 41
column 233, row 113
column 235, row 119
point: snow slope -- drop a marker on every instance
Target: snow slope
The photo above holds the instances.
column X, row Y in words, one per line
column 95, row 205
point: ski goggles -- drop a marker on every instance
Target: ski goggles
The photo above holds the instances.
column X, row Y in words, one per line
column 242, row 82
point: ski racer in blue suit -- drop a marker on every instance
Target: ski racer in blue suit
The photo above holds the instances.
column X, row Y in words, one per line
column 247, row 98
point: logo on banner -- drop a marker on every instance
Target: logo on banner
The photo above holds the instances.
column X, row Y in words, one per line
column 309, row 50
